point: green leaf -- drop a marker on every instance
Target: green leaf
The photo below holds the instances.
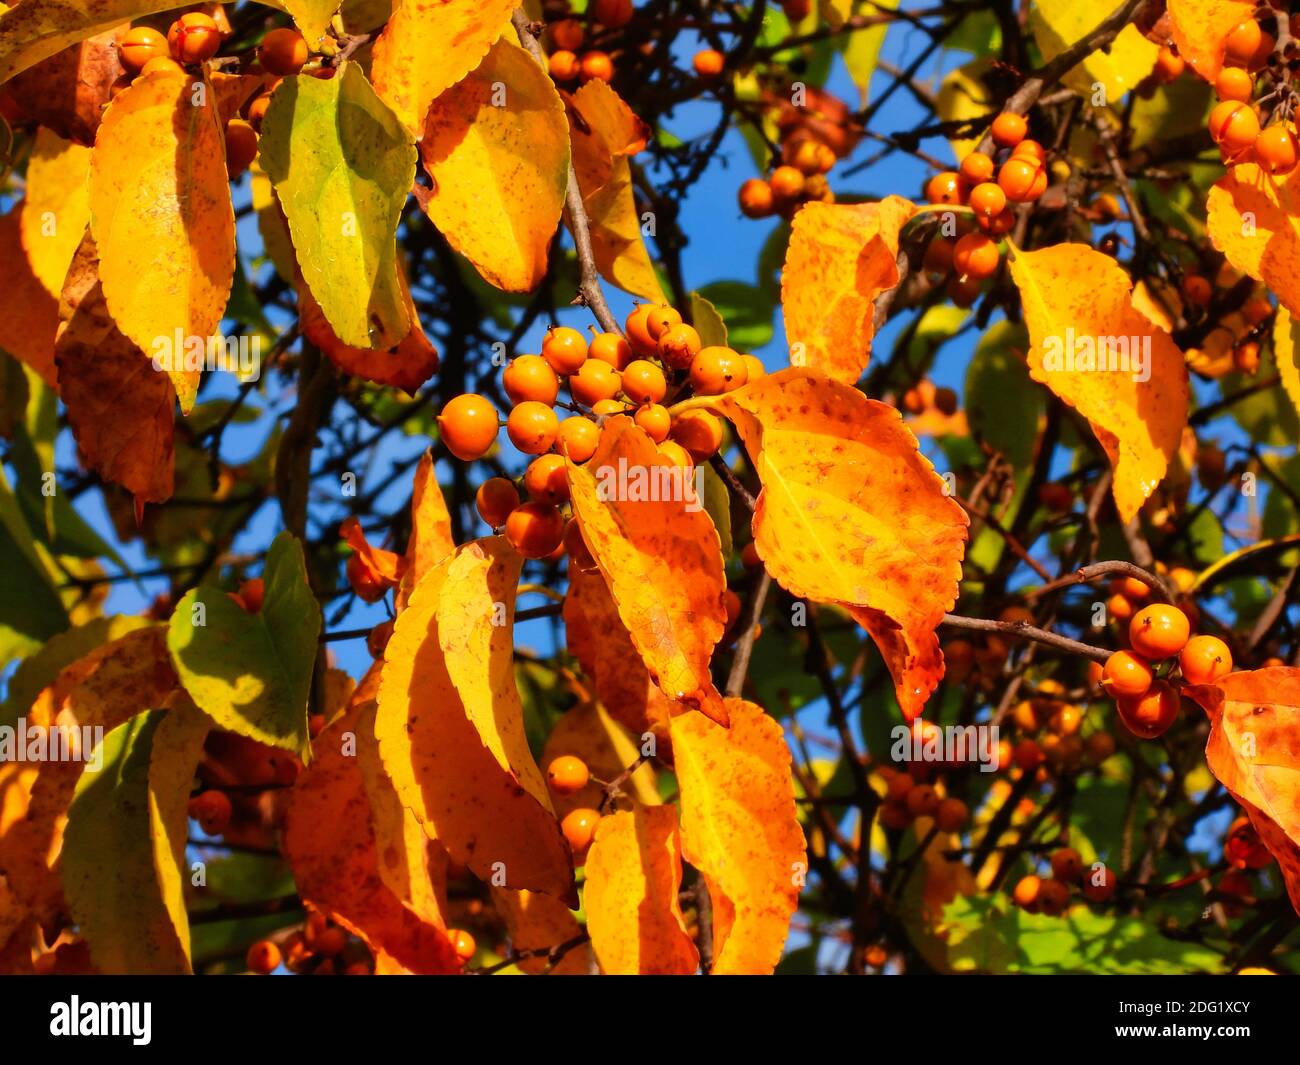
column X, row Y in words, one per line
column 708, row 322
column 123, row 847
column 1174, row 110
column 862, row 49
column 342, row 166
column 251, row 673
column 1003, row 405
column 30, row 608
column 717, row 502
column 747, row 311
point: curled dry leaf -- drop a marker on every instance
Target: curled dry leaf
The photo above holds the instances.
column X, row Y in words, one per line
column 739, row 829
column 634, row 874
column 1254, row 751
column 120, row 408
column 1251, row 219
column 852, row 513
column 660, row 558
column 497, row 147
column 1092, row 347
column 450, row 724
column 840, row 258
column 67, row 92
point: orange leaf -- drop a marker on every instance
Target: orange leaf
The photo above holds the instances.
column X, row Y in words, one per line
column 120, row 408
column 603, row 647
column 450, row 725
column 1094, row 349
column 1200, row 27
column 407, row 366
column 588, row 732
column 1252, row 750
column 381, row 565
column 430, row 540
column 539, row 922
column 841, row 257
column 740, row 831
column 68, row 91
column 634, row 872
column 29, row 315
column 1252, row 219
column 329, row 842
column 660, row 556
column 852, row 513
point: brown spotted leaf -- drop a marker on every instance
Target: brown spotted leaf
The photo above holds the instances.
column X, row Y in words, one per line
column 67, row 92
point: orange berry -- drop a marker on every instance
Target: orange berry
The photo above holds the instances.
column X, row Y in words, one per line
column 594, row 382
column 1098, row 883
column 716, row 370
column 1126, row 674
column 609, row 407
column 564, row 349
column 1119, row 607
column 1009, row 129
column 567, row 34
column 1234, row 125
column 1148, row 716
column 139, row 45
column 1233, row 83
column 241, row 146
column 495, row 498
column 876, row 956
column 194, row 38
column 655, row 420
column 1158, row 631
column 535, row 529
column 676, row 455
column 263, row 957
column 975, row 256
column 1245, row 357
column 567, row 775
column 976, row 168
column 787, row 184
column 1132, row 589
column 754, row 368
column 532, row 426
column 563, row 65
column 1169, row 64
column 1027, row 755
column 699, row 432
column 579, row 828
column 610, row 348
column 1243, row 848
column 922, row 801
column 1197, row 290
column 946, row 188
column 330, row 943
column 661, row 319
column 1277, row 150
column 257, row 109
column 679, row 345
column 577, row 438
column 283, row 51
column 1255, row 310
column 1031, row 150
column 530, row 377
column 547, row 479
column 1067, row 865
column 756, row 199
column 709, row 63
column 1018, row 178
column 749, row 556
column 638, row 335
column 376, row 641
column 1026, row 891
column 1243, row 42
column 251, row 594
column 212, row 810
column 644, row 382
column 164, row 64
column 469, row 425
column 1204, row 660
column 807, row 157
column 612, row 13
column 938, row 255
column 987, row 200
column 1053, row 897
column 596, row 66
column 462, row 943
column 951, row 815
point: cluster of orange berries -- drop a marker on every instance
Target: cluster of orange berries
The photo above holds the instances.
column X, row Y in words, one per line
column 320, row 947
column 195, row 38
column 1234, row 123
column 924, row 396
column 1051, row 737
column 799, row 178
column 908, row 796
column 610, row 374
column 567, row 775
column 989, row 190
column 567, row 61
column 1148, row 706
column 1051, row 895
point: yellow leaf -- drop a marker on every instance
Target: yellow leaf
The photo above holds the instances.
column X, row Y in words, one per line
column 740, row 831
column 962, row 96
column 1200, row 27
column 311, row 16
column 1287, row 353
column 450, row 725
column 431, row 540
column 840, row 258
column 634, row 872
column 1254, row 219
column 1057, row 24
column 539, row 922
column 497, row 147
column 588, row 732
column 428, row 46
column 852, row 513
column 35, row 29
column 606, row 135
column 57, row 207
column 1132, row 388
column 660, row 558
column 162, row 218
column 29, row 315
